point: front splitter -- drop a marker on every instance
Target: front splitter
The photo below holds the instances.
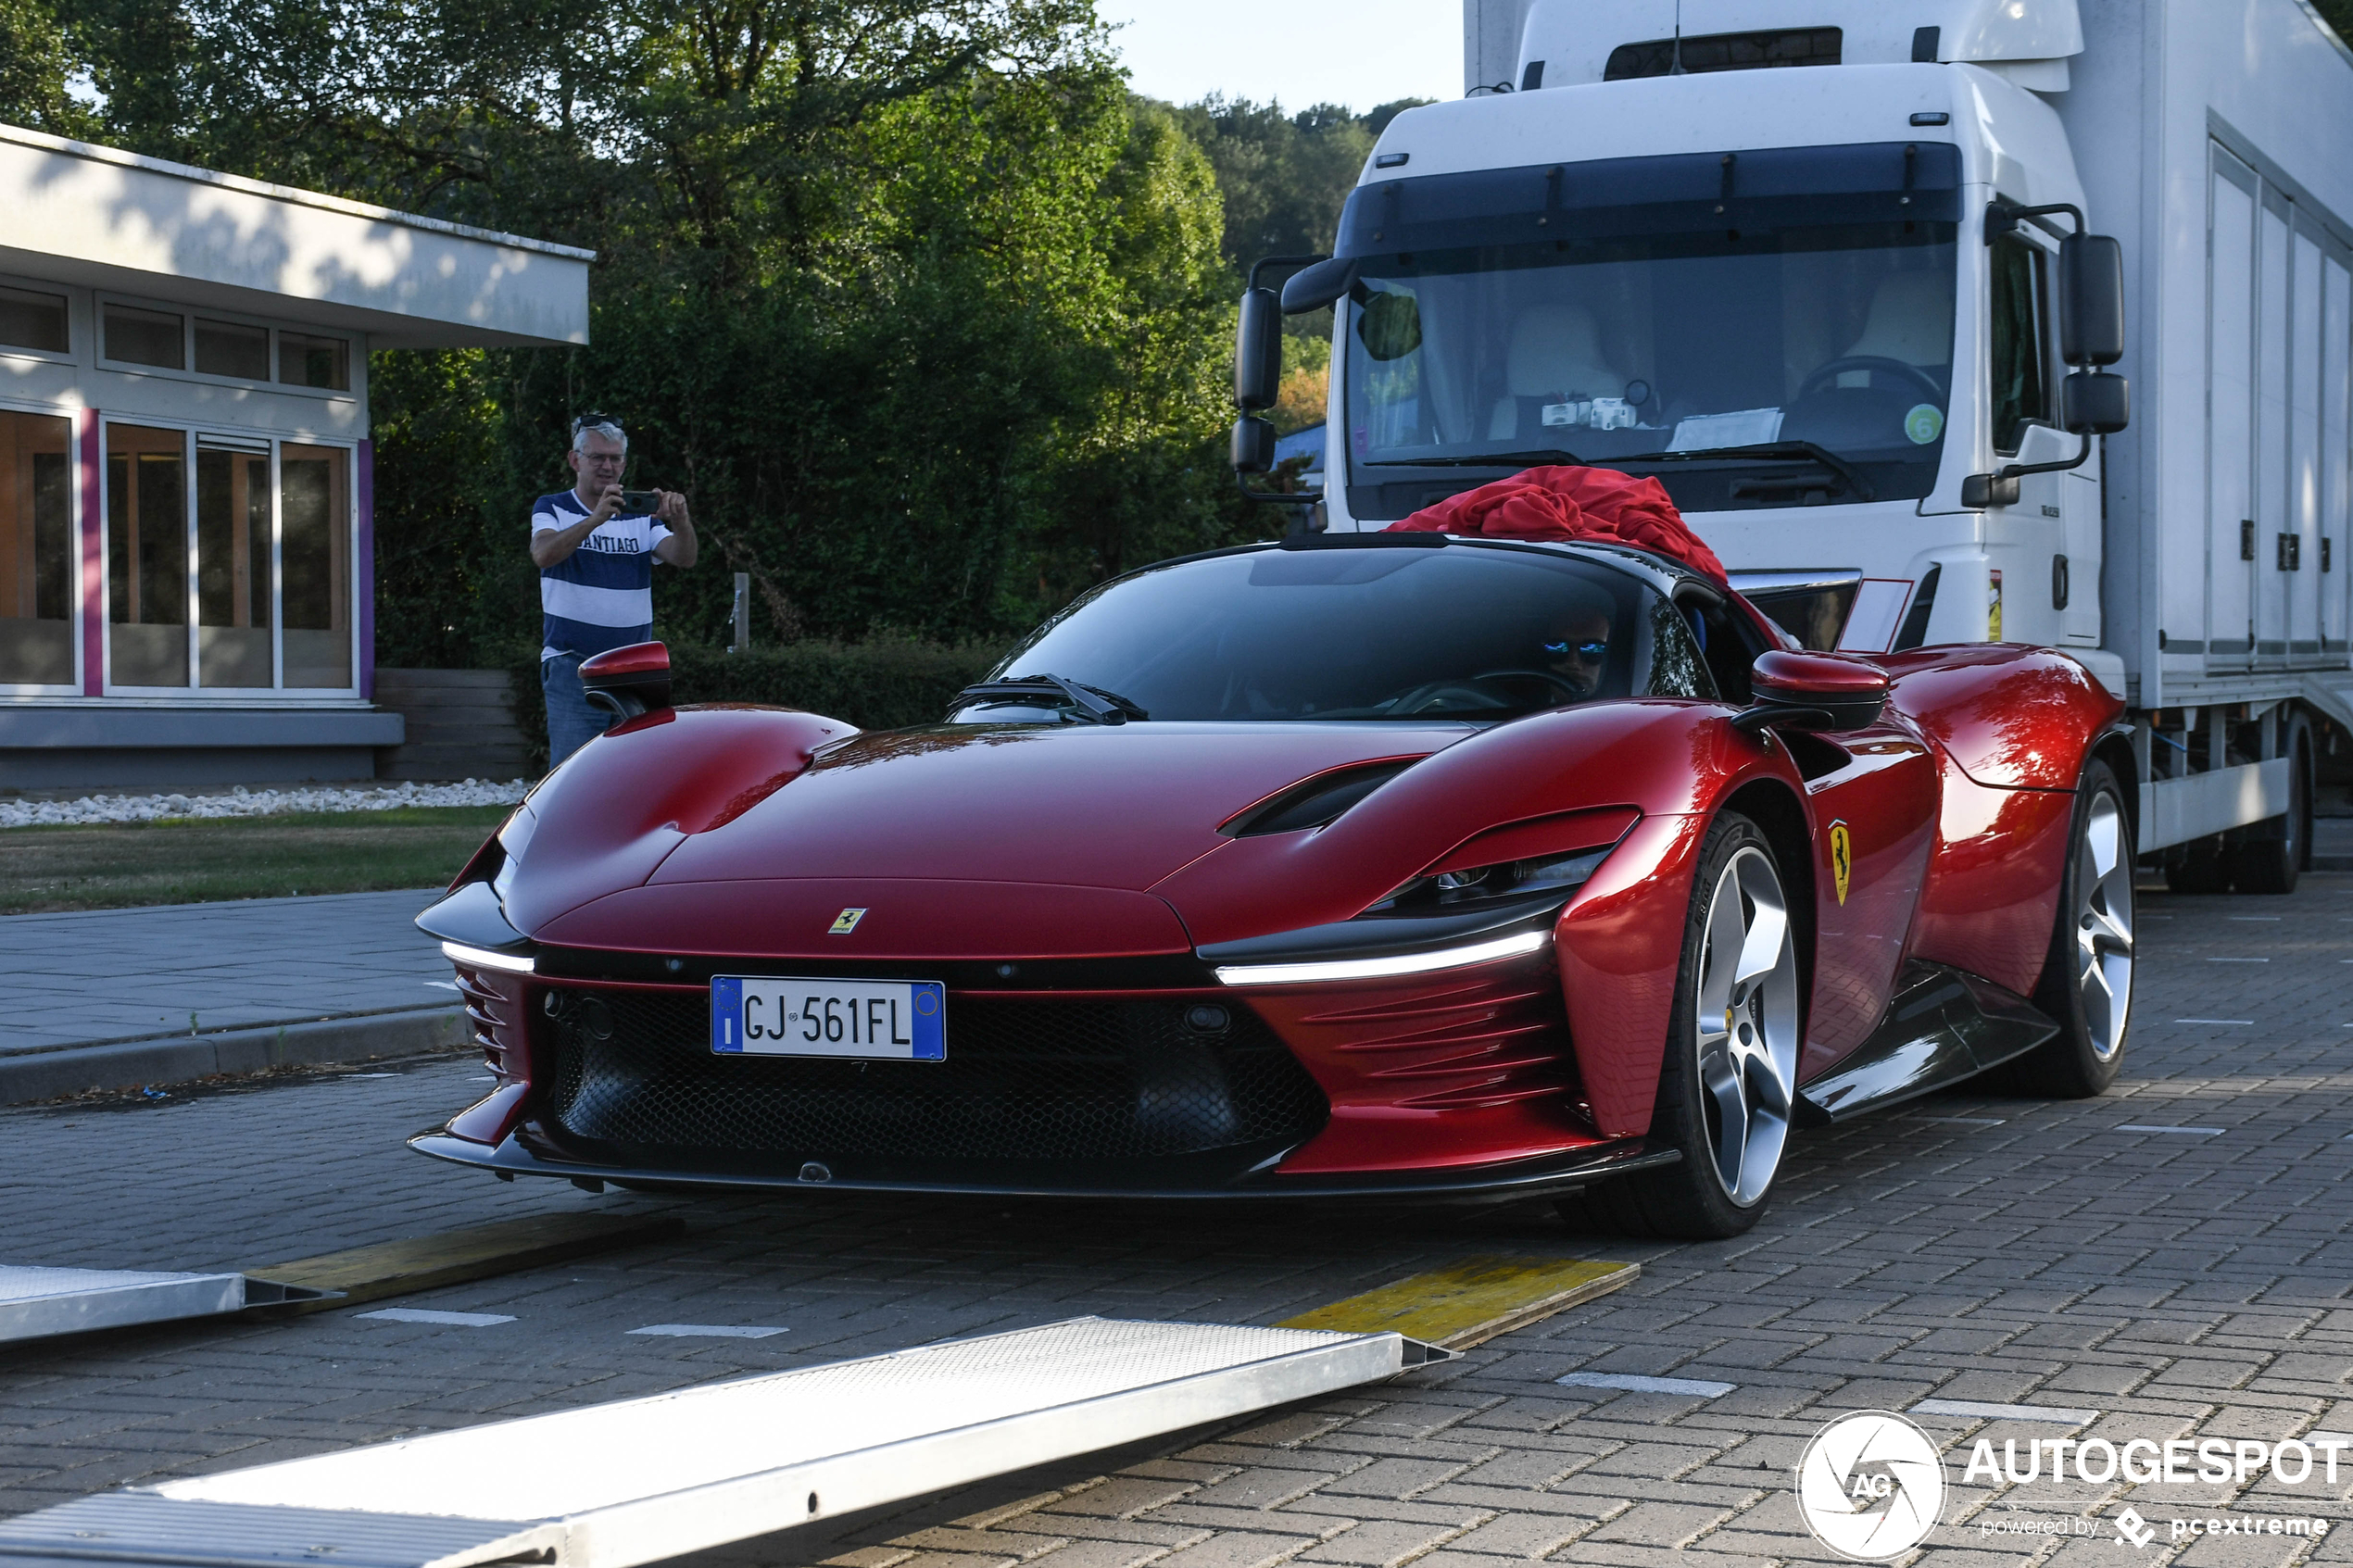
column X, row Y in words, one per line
column 1520, row 1178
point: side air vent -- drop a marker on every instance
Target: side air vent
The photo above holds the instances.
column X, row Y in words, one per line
column 1725, row 51
column 1318, row 802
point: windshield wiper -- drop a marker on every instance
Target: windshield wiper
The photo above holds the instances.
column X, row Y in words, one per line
column 1496, row 460
column 1099, row 706
column 1767, row 451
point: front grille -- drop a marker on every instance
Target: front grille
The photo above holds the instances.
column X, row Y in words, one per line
column 632, row 1075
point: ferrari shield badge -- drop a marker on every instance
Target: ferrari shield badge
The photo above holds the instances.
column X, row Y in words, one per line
column 847, row 922
column 1841, row 861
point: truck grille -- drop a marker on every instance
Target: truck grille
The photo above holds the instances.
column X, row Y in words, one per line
column 632, row 1075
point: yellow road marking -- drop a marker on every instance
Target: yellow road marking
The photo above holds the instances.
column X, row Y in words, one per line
column 1472, row 1301
column 425, row 1262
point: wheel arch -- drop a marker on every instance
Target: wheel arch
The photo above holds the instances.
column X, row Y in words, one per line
column 1782, row 817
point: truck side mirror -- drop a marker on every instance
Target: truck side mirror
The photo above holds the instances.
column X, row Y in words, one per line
column 1253, row 446
column 2095, row 403
column 1258, row 350
column 2091, row 270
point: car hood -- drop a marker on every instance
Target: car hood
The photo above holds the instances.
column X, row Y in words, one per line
column 1114, row 806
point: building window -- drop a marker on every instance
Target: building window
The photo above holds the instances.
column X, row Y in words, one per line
column 146, row 337
column 32, row 320
column 146, row 556
column 304, row 360
column 314, row 505
column 36, row 551
column 232, row 566
column 230, row 348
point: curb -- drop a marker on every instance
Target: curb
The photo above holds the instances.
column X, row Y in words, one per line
column 128, row 1064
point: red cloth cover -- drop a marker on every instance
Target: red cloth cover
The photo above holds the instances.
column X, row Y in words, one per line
column 1571, row 503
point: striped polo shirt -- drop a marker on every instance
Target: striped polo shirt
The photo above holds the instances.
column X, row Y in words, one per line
column 601, row 595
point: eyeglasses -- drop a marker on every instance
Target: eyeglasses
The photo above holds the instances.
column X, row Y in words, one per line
column 1589, row 652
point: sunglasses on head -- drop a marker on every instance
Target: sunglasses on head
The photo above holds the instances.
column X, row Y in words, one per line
column 1587, row 651
column 586, row 421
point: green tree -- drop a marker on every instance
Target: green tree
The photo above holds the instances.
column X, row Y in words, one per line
column 36, row 61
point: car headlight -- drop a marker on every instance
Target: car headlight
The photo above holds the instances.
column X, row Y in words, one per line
column 1505, row 879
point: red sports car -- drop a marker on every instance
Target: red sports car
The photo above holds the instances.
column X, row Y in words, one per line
column 1395, row 864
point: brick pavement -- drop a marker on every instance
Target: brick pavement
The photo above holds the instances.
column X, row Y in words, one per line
column 1971, row 1248
column 129, row 974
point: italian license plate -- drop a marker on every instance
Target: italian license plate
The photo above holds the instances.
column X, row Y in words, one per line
column 867, row 1020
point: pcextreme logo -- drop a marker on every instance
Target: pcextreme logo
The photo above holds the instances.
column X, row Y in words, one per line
column 1870, row 1486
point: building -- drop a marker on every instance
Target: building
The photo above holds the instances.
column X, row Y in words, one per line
column 186, row 529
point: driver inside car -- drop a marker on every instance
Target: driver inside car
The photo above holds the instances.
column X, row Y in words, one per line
column 1576, row 648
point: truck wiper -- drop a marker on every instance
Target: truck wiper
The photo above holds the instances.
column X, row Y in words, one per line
column 1493, row 459
column 1099, row 706
column 1768, row 451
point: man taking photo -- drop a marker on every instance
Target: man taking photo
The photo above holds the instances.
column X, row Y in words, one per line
column 595, row 552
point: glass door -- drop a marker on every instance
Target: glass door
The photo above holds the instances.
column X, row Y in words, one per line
column 147, row 587
column 314, row 506
column 36, row 550
column 234, row 592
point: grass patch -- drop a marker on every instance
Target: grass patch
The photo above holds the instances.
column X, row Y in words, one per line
column 201, row 860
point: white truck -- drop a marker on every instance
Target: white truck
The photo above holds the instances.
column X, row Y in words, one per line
column 1820, row 267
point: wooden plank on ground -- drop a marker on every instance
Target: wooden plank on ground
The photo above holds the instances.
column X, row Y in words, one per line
column 427, row 1262
column 1472, row 1302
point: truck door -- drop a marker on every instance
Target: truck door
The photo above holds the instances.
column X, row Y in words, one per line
column 2028, row 537
column 2232, row 527
column 2302, row 524
column 2272, row 491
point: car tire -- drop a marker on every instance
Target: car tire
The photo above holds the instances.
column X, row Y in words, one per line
column 1729, row 1081
column 2087, row 980
column 2276, row 851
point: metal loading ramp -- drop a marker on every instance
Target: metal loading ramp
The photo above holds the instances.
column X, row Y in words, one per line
column 36, row 1303
column 644, row 1479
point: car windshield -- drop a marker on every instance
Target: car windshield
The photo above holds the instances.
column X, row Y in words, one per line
column 1782, row 305
column 1458, row 632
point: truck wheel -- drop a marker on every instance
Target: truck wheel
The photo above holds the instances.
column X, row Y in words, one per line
column 2269, row 864
column 2087, row 982
column 1730, row 1077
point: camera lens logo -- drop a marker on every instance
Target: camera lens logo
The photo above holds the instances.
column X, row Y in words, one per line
column 1870, row 1486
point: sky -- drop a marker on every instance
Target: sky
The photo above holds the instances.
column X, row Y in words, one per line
column 1358, row 53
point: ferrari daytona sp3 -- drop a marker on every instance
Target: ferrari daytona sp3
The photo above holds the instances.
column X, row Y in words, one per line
column 1395, row 864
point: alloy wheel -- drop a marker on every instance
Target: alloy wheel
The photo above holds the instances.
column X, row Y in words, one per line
column 2104, row 926
column 1747, row 1025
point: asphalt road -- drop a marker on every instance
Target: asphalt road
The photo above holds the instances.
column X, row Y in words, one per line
column 2174, row 1261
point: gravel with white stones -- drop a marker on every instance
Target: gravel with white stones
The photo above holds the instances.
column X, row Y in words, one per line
column 243, row 802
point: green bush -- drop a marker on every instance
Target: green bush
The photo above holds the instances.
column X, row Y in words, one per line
column 881, row 684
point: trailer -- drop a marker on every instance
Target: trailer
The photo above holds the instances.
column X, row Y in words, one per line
column 1942, row 320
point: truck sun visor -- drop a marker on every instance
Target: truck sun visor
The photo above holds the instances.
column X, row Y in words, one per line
column 1765, row 187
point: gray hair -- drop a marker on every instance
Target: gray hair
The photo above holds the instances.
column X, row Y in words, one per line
column 609, row 430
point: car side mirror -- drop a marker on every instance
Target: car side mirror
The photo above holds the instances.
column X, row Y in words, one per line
column 2091, row 277
column 629, row 681
column 1258, row 350
column 2095, row 403
column 1813, row 691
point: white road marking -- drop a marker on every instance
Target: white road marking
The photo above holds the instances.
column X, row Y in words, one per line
column 2199, row 1132
column 2253, row 917
column 1980, row 1121
column 370, row 1074
column 1635, row 1384
column 445, row 984
column 453, row 1320
column 706, row 1331
column 2238, row 960
column 2214, row 1021
column 2005, row 1412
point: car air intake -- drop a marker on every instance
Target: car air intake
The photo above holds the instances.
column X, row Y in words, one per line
column 632, row 1077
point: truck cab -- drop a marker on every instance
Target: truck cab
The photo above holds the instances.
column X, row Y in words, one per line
column 1804, row 299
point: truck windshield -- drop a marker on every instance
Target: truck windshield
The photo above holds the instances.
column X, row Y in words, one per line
column 1664, row 347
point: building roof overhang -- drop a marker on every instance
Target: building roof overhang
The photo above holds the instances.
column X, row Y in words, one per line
column 99, row 217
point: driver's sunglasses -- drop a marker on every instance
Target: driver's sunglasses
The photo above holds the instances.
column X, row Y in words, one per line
column 1589, row 652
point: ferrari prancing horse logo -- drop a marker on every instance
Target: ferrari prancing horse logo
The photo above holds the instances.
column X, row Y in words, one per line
column 847, row 922
column 1842, row 858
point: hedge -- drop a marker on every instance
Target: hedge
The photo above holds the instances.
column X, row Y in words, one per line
column 883, row 684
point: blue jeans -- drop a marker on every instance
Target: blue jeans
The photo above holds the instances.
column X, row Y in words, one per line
column 571, row 723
